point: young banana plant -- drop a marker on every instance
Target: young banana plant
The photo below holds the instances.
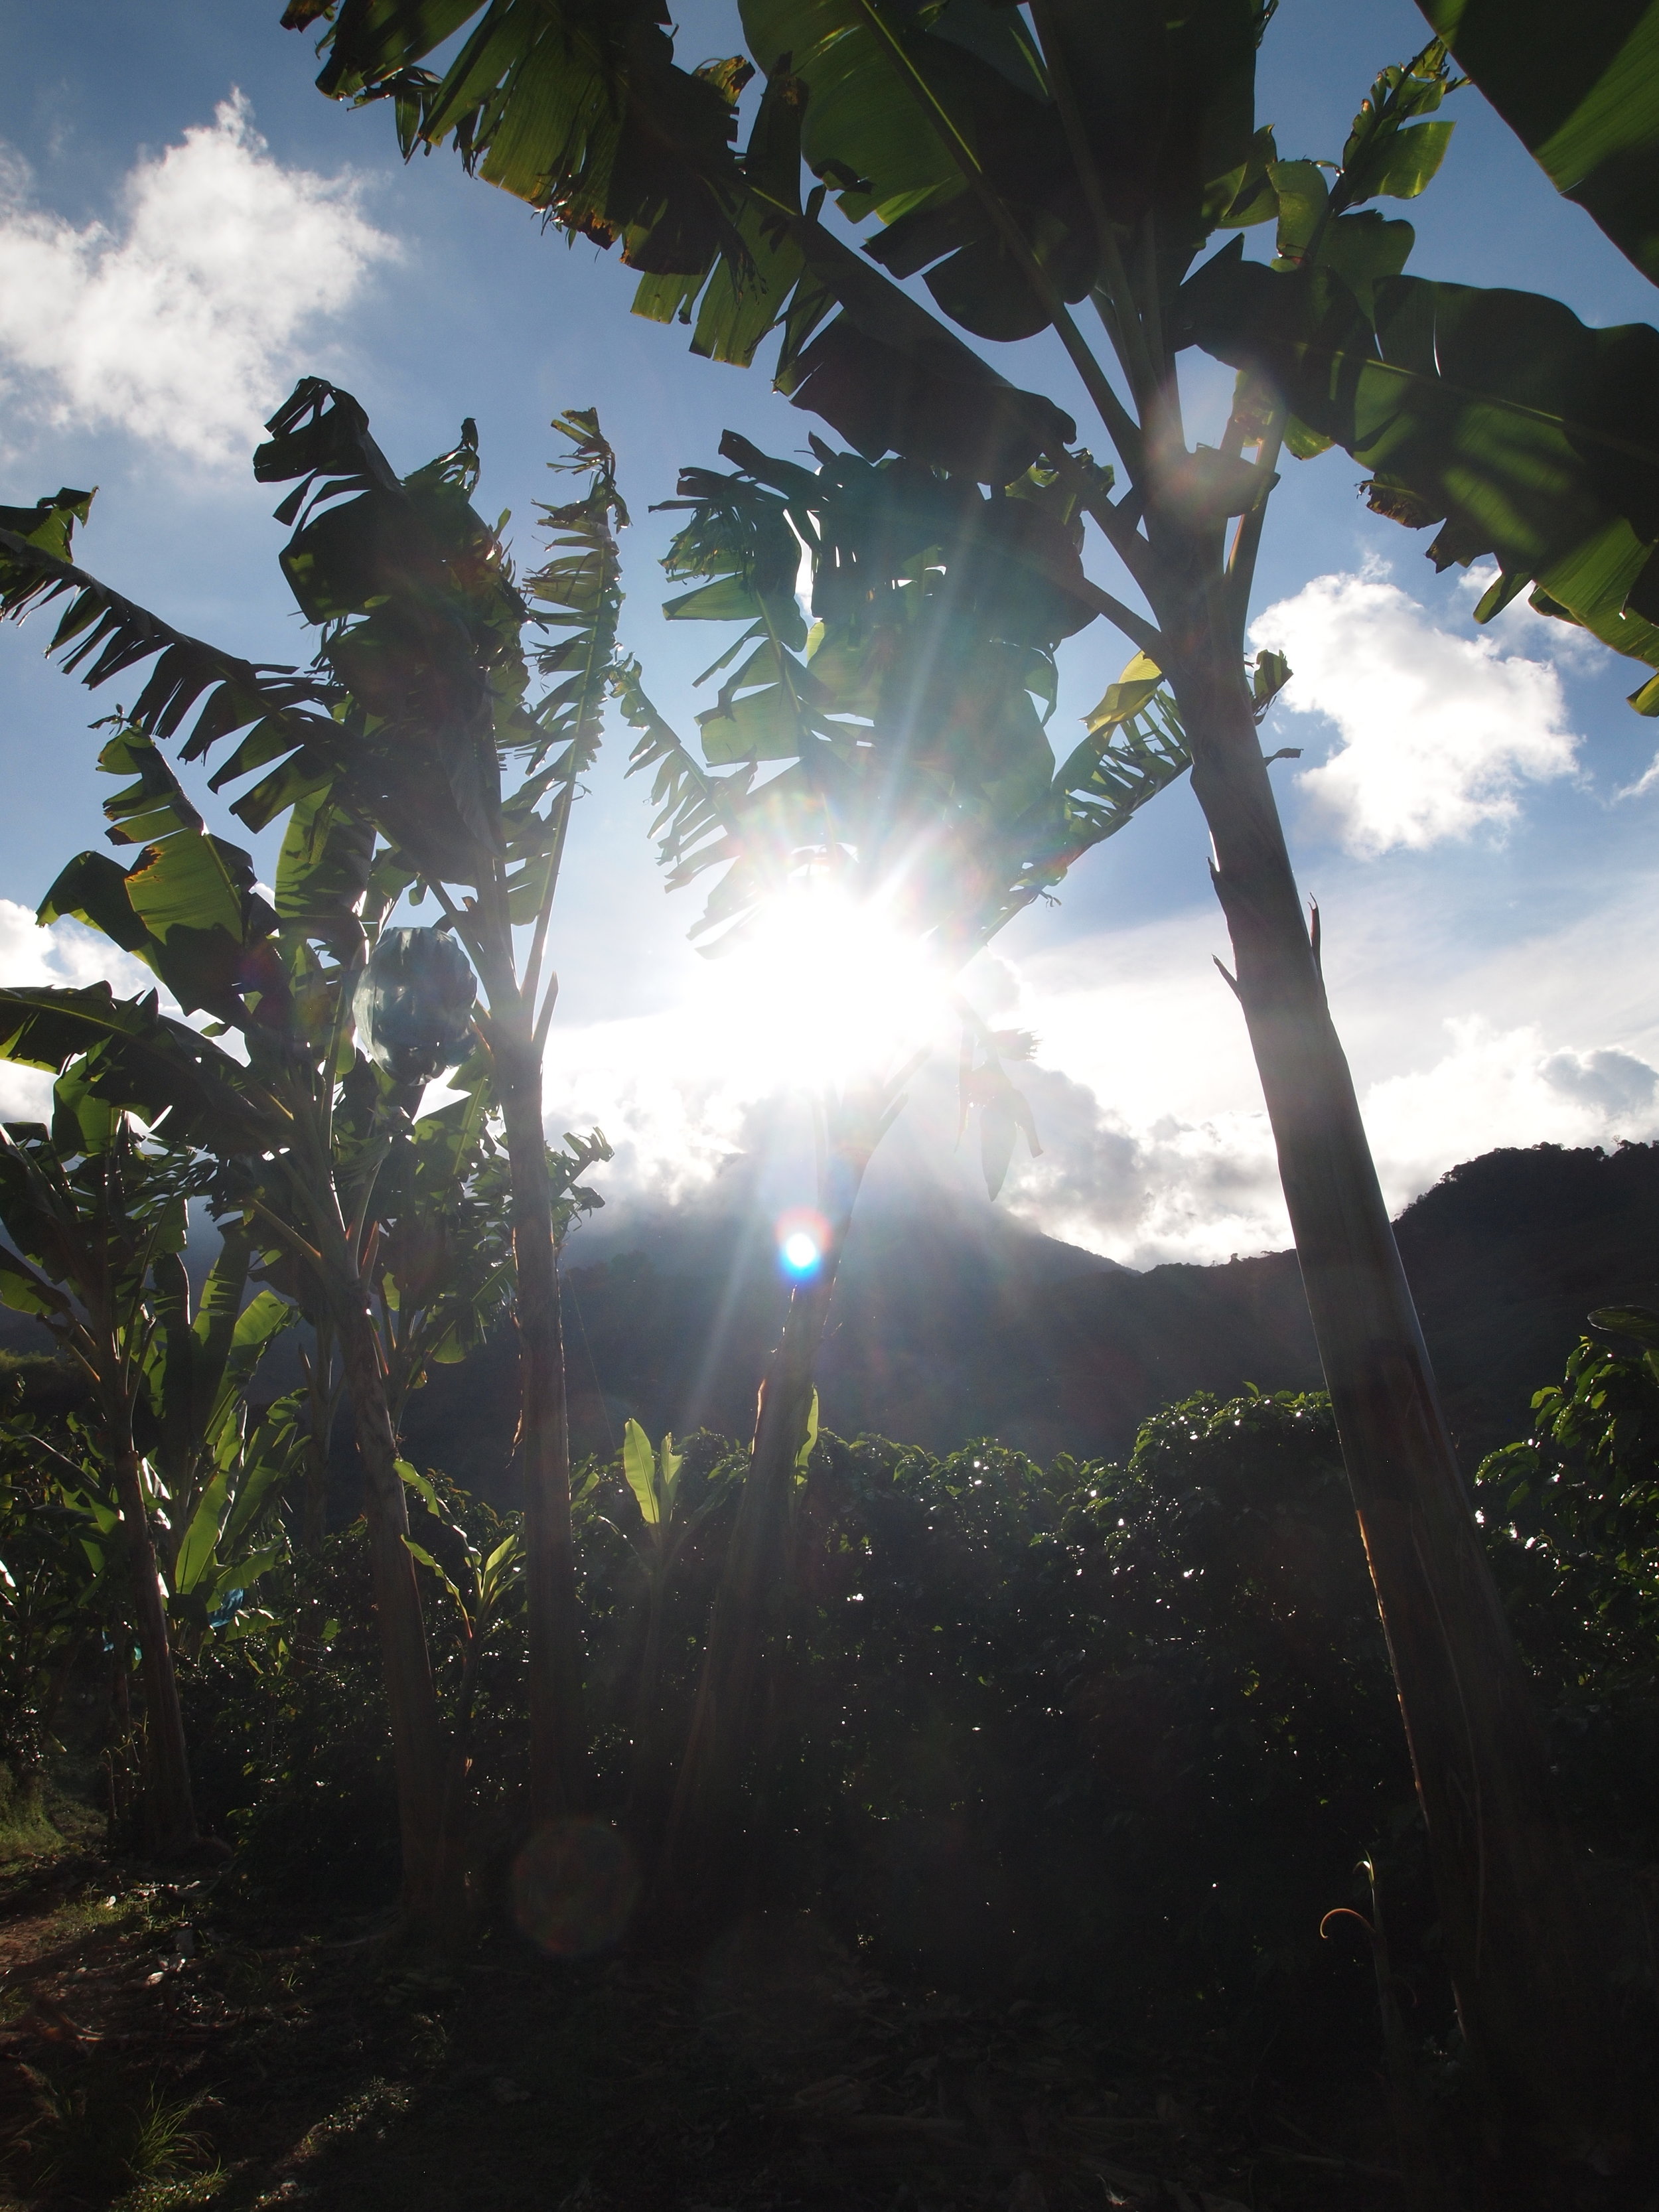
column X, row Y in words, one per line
column 484, row 1585
column 652, row 1475
column 215, row 1469
column 58, row 1598
column 236, row 1530
column 91, row 1208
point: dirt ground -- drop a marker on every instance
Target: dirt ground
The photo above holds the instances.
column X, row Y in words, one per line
column 164, row 2045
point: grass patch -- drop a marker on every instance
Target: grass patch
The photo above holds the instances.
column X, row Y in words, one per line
column 26, row 1828
column 91, row 2131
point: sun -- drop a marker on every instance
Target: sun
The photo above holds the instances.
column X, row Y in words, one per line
column 827, row 989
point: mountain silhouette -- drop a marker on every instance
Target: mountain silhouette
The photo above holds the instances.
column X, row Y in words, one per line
column 951, row 1320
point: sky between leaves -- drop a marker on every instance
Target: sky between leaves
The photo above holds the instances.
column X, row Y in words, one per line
column 186, row 225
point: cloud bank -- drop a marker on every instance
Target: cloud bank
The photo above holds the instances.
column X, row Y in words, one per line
column 1183, row 1184
column 179, row 323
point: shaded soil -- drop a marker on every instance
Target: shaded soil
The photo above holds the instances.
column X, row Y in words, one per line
column 775, row 2072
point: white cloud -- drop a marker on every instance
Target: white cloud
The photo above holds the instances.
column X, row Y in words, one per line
column 1563, row 642
column 1194, row 1188
column 179, row 323
column 1438, row 730
column 1190, row 1177
column 1649, row 781
column 672, row 1114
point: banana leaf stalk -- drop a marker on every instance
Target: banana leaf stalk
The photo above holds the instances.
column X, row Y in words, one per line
column 701, row 1871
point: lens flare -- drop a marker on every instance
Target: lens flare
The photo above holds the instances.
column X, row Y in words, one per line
column 573, row 1887
column 802, row 1239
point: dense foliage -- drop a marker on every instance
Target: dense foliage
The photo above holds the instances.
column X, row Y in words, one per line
column 1572, row 1513
column 1118, row 1731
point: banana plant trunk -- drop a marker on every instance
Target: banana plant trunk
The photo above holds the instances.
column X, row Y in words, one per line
column 1506, row 1886
column 321, row 1401
column 171, row 1808
column 701, row 1866
column 558, row 1747
column 430, row 1873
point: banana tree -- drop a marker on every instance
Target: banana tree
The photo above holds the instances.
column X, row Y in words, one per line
column 403, row 725
column 90, row 1210
column 895, row 748
column 1026, row 162
column 424, row 633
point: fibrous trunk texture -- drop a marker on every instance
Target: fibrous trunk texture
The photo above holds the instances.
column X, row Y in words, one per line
column 701, row 1865
column 1513, row 1927
column 557, row 1748
column 431, row 1879
column 171, row 1808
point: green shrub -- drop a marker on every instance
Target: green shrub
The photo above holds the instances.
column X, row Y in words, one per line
column 1118, row 1732
column 1571, row 1516
column 1122, row 1731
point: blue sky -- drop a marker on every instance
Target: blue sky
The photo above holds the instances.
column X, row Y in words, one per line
column 169, row 263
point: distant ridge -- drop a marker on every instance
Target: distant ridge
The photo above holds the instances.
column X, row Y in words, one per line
column 952, row 1321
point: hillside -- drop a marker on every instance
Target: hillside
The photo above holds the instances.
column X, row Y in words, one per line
column 952, row 1321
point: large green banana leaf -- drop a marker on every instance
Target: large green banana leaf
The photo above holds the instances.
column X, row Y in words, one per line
column 1580, row 87
column 182, row 1085
column 187, row 907
column 188, row 1353
column 1021, row 164
column 1524, row 433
